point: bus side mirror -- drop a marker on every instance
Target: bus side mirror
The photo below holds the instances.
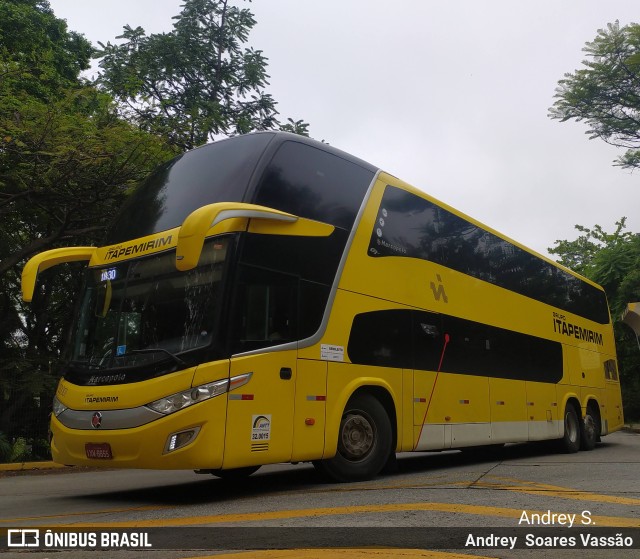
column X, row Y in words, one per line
column 48, row 259
column 224, row 217
column 103, row 299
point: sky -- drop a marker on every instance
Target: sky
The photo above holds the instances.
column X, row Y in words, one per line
column 451, row 96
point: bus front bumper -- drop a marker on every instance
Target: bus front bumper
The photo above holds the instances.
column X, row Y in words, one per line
column 192, row 438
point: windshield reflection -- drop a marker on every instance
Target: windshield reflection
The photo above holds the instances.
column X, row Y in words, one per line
column 145, row 311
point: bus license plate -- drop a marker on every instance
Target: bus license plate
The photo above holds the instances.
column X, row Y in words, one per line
column 98, row 451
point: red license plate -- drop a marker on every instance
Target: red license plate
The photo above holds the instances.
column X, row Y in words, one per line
column 98, row 451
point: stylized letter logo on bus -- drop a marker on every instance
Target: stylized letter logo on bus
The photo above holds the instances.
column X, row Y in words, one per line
column 438, row 291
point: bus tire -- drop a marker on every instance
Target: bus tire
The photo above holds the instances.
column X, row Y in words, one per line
column 588, row 431
column 571, row 439
column 364, row 441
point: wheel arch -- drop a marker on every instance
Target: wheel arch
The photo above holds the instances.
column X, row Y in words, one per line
column 571, row 398
column 376, row 388
column 591, row 402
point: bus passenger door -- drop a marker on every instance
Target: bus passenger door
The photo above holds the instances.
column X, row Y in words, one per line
column 430, row 430
column 310, row 410
column 260, row 413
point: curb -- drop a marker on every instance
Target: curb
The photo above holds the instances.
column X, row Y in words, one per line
column 23, row 466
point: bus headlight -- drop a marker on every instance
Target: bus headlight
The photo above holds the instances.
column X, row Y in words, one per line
column 181, row 400
column 58, row 406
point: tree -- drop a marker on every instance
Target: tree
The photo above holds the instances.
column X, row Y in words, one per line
column 195, row 83
column 65, row 169
column 299, row 127
column 68, row 159
column 613, row 261
column 40, row 55
column 66, row 164
column 605, row 94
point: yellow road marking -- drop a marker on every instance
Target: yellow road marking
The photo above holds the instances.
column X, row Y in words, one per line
column 534, row 488
column 501, row 483
column 509, row 484
column 479, row 510
column 83, row 513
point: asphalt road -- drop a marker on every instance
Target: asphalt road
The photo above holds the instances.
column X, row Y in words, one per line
column 458, row 504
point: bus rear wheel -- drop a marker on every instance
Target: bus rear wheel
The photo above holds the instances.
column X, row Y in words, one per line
column 364, row 441
column 571, row 439
column 589, row 430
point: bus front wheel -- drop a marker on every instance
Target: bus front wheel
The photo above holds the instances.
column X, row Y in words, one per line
column 364, row 441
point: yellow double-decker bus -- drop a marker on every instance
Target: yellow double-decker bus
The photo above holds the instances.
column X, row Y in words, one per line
column 268, row 298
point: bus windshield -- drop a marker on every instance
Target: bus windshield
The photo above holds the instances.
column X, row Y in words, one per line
column 144, row 312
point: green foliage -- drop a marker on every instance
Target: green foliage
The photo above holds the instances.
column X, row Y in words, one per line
column 67, row 162
column 27, row 450
column 605, row 94
column 195, row 83
column 41, row 57
column 606, row 258
column 613, row 261
column 296, row 127
column 20, row 451
column 68, row 159
column 64, row 168
column 6, row 448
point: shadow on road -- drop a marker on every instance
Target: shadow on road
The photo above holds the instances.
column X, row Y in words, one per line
column 280, row 479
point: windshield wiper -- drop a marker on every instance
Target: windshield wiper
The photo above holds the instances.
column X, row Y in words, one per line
column 174, row 357
column 87, row 365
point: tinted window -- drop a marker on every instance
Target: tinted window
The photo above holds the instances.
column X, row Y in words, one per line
column 312, row 183
column 218, row 172
column 265, row 312
column 427, row 340
column 312, row 258
column 431, row 342
column 409, row 225
column 271, row 308
column 479, row 349
column 312, row 302
column 135, row 314
column 307, row 263
column 382, row 339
